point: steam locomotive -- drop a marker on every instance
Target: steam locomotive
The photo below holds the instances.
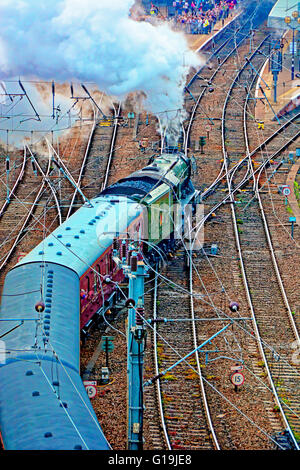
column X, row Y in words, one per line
column 63, row 284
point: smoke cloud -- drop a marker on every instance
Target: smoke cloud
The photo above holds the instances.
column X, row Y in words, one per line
column 97, row 41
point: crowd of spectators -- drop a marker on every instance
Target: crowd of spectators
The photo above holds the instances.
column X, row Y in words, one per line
column 199, row 18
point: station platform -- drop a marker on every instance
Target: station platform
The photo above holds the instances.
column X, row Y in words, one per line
column 288, row 90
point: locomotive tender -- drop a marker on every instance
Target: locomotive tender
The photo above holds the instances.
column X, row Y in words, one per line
column 63, row 284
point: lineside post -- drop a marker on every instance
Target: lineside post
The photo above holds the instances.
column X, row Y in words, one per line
column 135, row 354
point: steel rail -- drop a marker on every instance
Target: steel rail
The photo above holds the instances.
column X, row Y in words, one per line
column 187, row 134
column 158, row 384
column 246, row 179
column 248, row 159
column 83, row 165
column 200, row 224
column 266, row 227
column 27, row 217
column 279, row 279
column 276, row 268
column 112, row 147
column 47, row 179
column 237, row 76
column 251, row 154
column 224, row 171
column 203, row 398
column 12, row 191
column 216, row 51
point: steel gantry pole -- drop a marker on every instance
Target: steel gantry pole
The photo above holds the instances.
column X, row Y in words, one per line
column 135, row 353
column 7, row 178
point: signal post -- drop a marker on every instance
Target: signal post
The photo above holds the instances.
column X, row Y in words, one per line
column 135, row 353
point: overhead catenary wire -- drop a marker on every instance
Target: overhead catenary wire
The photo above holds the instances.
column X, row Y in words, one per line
column 229, row 182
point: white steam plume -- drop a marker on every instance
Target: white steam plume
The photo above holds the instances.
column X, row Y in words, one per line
column 96, row 41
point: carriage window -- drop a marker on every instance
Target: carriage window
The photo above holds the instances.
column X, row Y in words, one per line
column 98, row 272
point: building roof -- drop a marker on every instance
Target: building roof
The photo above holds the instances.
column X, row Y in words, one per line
column 280, row 10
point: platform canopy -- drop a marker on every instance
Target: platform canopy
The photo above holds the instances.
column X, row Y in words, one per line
column 280, row 10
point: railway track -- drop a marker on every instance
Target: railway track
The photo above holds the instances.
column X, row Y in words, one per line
column 236, row 167
column 95, row 166
column 20, row 209
column 232, row 173
column 274, row 326
column 38, row 208
column 201, row 86
column 188, row 429
column 179, row 393
column 226, row 441
column 13, row 182
column 288, row 378
column 71, row 152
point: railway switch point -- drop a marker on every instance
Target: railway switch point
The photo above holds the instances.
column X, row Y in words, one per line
column 39, row 307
